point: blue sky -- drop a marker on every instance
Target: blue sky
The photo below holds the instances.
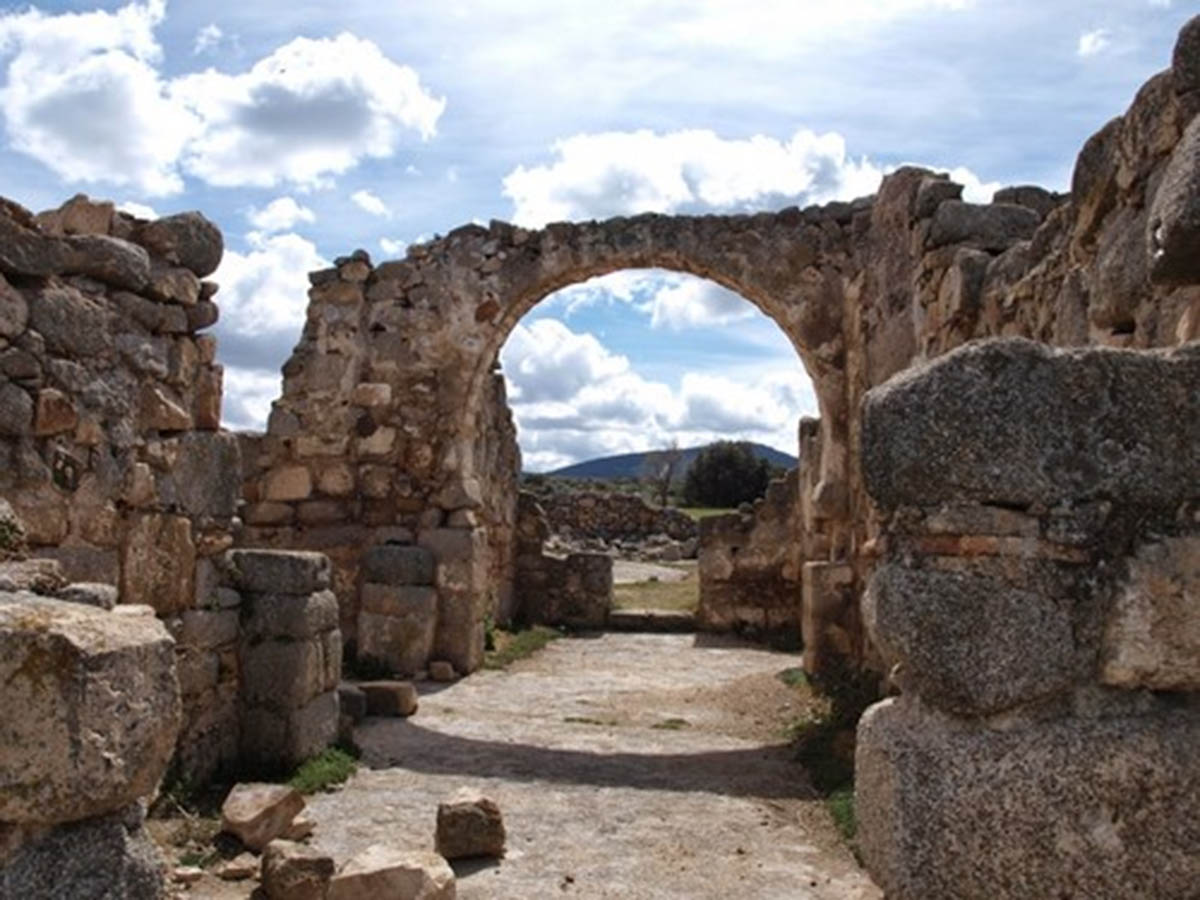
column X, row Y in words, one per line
column 308, row 129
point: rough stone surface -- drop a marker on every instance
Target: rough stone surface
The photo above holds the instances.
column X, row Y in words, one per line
column 257, row 814
column 98, row 704
column 102, row 596
column 1106, row 807
column 292, row 871
column 107, row 856
column 972, row 425
column 381, row 871
column 749, row 576
column 469, row 824
column 278, row 571
column 1153, row 636
column 397, row 565
column 971, row 644
column 187, row 239
column 397, row 625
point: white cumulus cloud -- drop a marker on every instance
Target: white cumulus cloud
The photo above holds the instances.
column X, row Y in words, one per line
column 573, row 398
column 370, row 203
column 281, row 214
column 85, row 94
column 621, row 173
column 310, row 110
column 207, row 38
column 266, row 288
column 596, row 176
column 683, row 302
column 1093, row 42
column 141, row 210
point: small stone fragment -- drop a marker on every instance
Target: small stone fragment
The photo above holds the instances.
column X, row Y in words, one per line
column 380, row 872
column 469, row 824
column 302, row 826
column 258, row 813
column 390, row 698
column 291, row 871
column 187, row 874
column 440, row 670
column 241, row 867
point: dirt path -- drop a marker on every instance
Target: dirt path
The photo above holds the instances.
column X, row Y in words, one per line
column 627, row 766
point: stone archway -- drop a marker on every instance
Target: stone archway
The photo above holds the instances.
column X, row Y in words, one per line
column 390, row 402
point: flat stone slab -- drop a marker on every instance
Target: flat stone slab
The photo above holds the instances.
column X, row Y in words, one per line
column 660, row 620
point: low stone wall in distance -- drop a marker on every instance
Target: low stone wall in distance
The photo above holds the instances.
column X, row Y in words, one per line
column 749, row 579
column 575, row 591
column 1038, row 605
column 613, row 517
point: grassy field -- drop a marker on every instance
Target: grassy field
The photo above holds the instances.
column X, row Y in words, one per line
column 703, row 512
column 684, row 595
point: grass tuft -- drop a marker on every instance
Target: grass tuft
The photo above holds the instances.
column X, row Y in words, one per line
column 510, row 646
column 841, row 807
column 794, row 677
column 672, row 724
column 324, row 771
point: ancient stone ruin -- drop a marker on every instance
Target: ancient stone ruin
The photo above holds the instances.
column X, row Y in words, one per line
column 1007, row 534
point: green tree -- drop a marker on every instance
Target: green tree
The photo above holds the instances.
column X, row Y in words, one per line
column 725, row 474
column 660, row 470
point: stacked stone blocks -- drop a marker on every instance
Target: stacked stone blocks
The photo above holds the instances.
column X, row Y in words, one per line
column 397, row 624
column 290, row 654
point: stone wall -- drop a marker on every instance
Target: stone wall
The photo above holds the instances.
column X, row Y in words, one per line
column 110, row 403
column 1038, row 604
column 573, row 591
column 387, row 428
column 749, row 566
column 613, row 517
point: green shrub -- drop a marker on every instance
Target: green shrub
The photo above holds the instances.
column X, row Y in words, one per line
column 725, row 474
column 323, row 771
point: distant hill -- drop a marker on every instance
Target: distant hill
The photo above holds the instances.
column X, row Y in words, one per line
column 630, row 465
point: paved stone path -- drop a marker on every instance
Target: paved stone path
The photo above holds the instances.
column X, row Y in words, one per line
column 626, row 765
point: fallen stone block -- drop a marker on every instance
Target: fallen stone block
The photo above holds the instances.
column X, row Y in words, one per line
column 257, row 814
column 91, row 709
column 381, row 871
column 292, row 871
column 469, row 824
column 352, row 701
column 441, row 670
column 241, row 867
column 1080, row 807
column 390, row 698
